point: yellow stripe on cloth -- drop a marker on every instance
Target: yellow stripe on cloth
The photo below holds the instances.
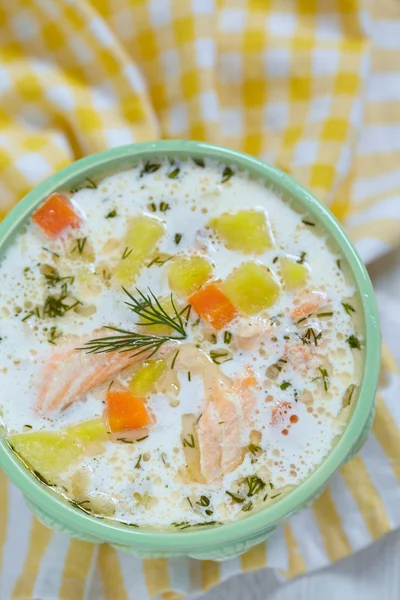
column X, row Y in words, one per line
column 333, row 535
column 111, row 574
column 39, row 538
column 156, row 575
column 297, row 565
column 3, row 513
column 78, row 564
column 367, row 498
column 388, row 435
column 255, row 558
column 210, row 574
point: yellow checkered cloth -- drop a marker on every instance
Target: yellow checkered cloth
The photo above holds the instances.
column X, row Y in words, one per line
column 312, row 86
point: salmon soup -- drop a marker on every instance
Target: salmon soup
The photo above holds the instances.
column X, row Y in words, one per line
column 179, row 346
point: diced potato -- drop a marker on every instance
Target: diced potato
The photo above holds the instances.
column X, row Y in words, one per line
column 251, row 287
column 48, row 452
column 143, row 383
column 162, row 329
column 89, row 431
column 294, row 274
column 187, row 273
column 143, row 234
column 52, row 452
column 191, row 448
column 246, row 230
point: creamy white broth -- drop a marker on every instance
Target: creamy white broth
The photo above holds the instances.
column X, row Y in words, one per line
column 147, row 482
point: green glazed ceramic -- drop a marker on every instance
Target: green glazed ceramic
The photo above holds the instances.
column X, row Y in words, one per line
column 234, row 538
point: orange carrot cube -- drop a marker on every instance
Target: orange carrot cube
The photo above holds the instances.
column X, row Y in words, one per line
column 125, row 412
column 55, row 215
column 213, row 306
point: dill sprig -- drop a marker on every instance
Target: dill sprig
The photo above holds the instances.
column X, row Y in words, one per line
column 149, row 309
column 254, row 484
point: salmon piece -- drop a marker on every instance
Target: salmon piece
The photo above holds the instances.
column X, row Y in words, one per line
column 310, row 302
column 69, row 374
column 250, row 331
column 209, row 434
column 230, row 421
column 242, row 386
column 280, row 413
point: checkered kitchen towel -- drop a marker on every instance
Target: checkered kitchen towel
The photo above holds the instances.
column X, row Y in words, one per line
column 312, row 86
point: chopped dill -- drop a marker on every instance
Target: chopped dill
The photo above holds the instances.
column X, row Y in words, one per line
column 188, row 441
column 227, row 174
column 324, row 376
column 127, row 252
column 158, row 261
column 139, row 460
column 255, row 450
column 254, row 484
column 220, row 356
column 190, row 502
column 164, row 206
column 354, row 342
column 204, row 501
column 285, row 384
column 177, row 238
column 80, row 245
column 302, row 258
column 174, row 359
column 309, row 223
column 51, row 252
column 174, row 174
column 235, row 497
column 248, row 506
column 111, row 214
column 199, row 162
column 227, row 337
column 149, row 167
column 189, row 376
column 348, row 308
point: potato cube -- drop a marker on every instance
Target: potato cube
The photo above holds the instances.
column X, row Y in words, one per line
column 186, row 274
column 251, row 287
column 246, row 231
column 86, row 432
column 141, row 239
column 294, row 274
column 143, row 383
column 50, row 453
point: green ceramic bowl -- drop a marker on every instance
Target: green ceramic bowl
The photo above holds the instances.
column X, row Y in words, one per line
column 234, row 538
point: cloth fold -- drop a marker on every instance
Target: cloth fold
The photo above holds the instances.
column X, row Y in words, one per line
column 312, row 86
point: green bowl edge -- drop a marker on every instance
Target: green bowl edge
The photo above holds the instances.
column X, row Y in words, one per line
column 252, row 525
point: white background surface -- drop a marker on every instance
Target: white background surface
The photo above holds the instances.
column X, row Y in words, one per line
column 373, row 573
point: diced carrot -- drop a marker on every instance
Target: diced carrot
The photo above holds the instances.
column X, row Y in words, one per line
column 279, row 412
column 55, row 215
column 211, row 304
column 126, row 412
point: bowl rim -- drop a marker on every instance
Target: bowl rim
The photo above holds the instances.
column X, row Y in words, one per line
column 55, row 506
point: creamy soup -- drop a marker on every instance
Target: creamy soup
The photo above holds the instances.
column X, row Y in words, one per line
column 179, row 346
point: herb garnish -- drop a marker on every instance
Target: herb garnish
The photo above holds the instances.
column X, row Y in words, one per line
column 324, row 376
column 188, row 441
column 199, row 162
column 204, row 501
column 338, row 262
column 137, row 466
column 54, row 334
column 235, row 497
column 149, row 309
column 80, row 245
column 275, row 260
column 254, row 449
column 354, row 342
column 324, row 314
column 51, row 252
column 227, row 174
column 174, row 359
column 126, row 252
column 348, row 395
column 220, row 356
column 285, row 384
column 248, row 506
column 164, row 206
column 149, row 168
column 174, row 174
column 158, row 261
column 177, row 238
column 227, row 337
column 190, row 502
column 348, row 308
column 302, row 258
column 111, row 214
column 309, row 223
column 255, row 485
column 310, row 336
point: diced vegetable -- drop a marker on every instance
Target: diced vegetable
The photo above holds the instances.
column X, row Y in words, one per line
column 246, row 230
column 143, row 383
column 251, row 287
column 125, row 411
column 212, row 305
column 55, row 215
column 141, row 239
column 89, row 431
column 294, row 274
column 188, row 273
column 161, row 329
column 48, row 452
